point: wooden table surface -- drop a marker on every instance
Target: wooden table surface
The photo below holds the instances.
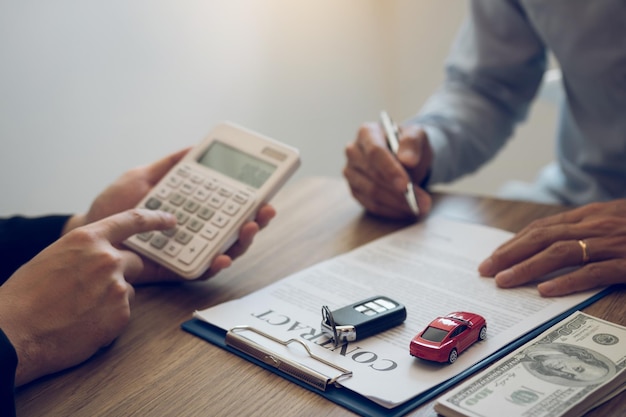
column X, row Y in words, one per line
column 157, row 369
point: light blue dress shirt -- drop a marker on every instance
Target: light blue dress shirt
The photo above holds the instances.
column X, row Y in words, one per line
column 493, row 73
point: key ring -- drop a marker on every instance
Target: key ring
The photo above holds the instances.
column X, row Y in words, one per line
column 327, row 317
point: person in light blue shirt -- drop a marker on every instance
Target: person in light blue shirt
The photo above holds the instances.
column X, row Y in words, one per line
column 493, row 74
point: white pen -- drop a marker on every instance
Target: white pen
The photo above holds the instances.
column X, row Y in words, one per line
column 391, row 133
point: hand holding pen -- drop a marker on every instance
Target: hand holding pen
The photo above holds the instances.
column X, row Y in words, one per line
column 391, row 134
column 383, row 177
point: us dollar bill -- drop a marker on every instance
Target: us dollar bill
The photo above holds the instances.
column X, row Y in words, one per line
column 567, row 370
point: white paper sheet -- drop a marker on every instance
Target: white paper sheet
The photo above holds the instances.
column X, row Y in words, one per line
column 431, row 268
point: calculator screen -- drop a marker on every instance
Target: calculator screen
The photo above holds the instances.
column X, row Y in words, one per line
column 236, row 164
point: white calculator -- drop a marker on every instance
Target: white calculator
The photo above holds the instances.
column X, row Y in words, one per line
column 213, row 191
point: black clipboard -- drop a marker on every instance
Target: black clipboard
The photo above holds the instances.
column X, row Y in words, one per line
column 360, row 404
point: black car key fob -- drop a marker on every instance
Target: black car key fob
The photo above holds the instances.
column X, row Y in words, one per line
column 362, row 319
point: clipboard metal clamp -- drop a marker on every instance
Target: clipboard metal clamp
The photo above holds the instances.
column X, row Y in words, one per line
column 294, row 369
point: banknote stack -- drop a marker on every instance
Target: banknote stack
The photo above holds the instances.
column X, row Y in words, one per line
column 571, row 368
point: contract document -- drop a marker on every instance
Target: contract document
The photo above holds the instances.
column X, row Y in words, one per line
column 431, row 268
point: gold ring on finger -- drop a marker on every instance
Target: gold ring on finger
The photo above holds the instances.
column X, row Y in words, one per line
column 583, row 246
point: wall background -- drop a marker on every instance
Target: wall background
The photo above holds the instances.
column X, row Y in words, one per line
column 91, row 89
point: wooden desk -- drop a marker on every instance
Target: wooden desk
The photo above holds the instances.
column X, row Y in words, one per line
column 157, row 369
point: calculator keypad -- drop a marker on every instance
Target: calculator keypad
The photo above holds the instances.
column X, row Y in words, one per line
column 203, row 207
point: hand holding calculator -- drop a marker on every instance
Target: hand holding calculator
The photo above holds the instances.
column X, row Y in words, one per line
column 213, row 191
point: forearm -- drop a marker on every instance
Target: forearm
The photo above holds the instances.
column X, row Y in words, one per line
column 492, row 75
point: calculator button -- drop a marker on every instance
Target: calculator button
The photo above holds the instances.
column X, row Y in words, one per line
column 225, row 192
column 201, row 194
column 159, row 241
column 153, row 203
column 220, row 220
column 190, row 252
column 205, row 213
column 183, row 237
column 184, row 171
column 231, row 208
column 211, row 184
column 172, row 249
column 177, row 199
column 196, row 178
column 174, row 181
column 168, row 209
column 181, row 217
column 187, row 187
column 170, row 232
column 209, row 232
column 163, row 192
column 191, row 206
column 241, row 198
column 145, row 236
column 216, row 201
column 195, row 225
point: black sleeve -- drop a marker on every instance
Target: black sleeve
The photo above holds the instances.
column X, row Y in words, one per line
column 22, row 238
column 8, row 365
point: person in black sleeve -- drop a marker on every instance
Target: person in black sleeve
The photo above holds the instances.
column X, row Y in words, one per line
column 67, row 283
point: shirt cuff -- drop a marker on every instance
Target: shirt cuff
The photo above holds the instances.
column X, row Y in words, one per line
column 8, row 365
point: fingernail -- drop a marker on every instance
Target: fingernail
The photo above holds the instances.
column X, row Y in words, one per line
column 408, row 156
column 486, row 268
column 547, row 288
column 399, row 184
column 168, row 216
column 505, row 278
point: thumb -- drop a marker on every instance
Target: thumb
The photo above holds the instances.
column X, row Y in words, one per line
column 158, row 169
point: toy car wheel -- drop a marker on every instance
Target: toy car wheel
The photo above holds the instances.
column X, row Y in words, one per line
column 483, row 333
column 453, row 356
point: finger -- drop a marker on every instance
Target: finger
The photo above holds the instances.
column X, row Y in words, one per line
column 593, row 275
column 538, row 239
column 246, row 236
column 376, row 199
column 567, row 218
column 360, row 184
column 356, row 171
column 153, row 273
column 130, row 291
column 357, row 159
column 411, row 142
column 158, row 169
column 158, row 273
column 424, row 201
column 380, row 160
column 354, row 156
column 523, row 246
column 121, row 226
column 360, row 169
column 589, row 220
column 557, row 256
column 220, row 263
column 265, row 214
column 551, row 226
column 133, row 265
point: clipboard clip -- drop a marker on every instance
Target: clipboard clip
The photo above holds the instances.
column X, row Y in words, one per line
column 292, row 368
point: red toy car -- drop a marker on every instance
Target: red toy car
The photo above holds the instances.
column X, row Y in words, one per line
column 446, row 337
